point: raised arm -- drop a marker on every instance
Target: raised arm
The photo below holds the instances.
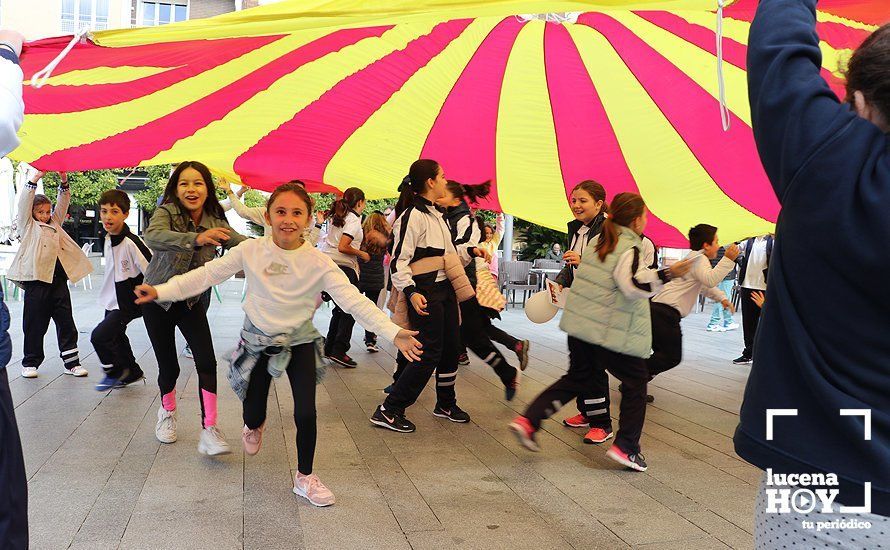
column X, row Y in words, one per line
column 710, row 277
column 793, row 111
column 63, row 200
column 255, row 214
column 25, row 212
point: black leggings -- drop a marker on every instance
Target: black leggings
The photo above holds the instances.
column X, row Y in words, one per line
column 373, row 294
column 301, row 373
column 340, row 329
column 474, row 334
column 110, row 341
column 192, row 323
column 45, row 302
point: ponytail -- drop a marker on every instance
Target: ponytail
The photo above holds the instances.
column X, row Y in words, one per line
column 414, row 183
column 340, row 208
column 625, row 208
column 470, row 193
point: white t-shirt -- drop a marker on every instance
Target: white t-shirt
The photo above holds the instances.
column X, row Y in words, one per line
column 331, row 244
column 281, row 286
column 754, row 278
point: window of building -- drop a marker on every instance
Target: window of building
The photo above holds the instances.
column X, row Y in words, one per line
column 161, row 13
column 77, row 14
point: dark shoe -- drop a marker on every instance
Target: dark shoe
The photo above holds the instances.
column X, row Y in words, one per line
column 634, row 461
column 390, row 421
column 107, row 383
column 463, row 359
column 343, row 360
column 511, row 387
column 742, row 360
column 454, row 414
column 371, row 347
column 388, row 389
column 650, row 398
column 522, row 353
column 133, row 375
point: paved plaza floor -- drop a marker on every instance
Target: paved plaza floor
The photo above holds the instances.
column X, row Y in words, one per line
column 99, row 479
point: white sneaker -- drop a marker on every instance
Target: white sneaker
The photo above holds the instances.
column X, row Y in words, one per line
column 29, row 372
column 313, row 490
column 713, row 328
column 213, row 442
column 77, row 371
column 165, row 430
column 731, row 326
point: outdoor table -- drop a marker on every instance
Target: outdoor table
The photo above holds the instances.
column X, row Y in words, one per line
column 547, row 272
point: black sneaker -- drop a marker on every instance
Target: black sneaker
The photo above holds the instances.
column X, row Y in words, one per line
column 650, row 398
column 343, row 360
column 454, row 414
column 133, row 375
column 522, row 353
column 742, row 360
column 634, row 461
column 390, row 421
column 371, row 347
column 463, row 359
column 511, row 387
column 388, row 389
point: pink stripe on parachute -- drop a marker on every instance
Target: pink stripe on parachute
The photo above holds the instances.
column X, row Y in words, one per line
column 587, row 145
column 303, row 146
column 734, row 52
column 146, row 141
column 730, row 158
column 464, row 137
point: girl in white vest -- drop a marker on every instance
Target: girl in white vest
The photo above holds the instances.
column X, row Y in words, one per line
column 608, row 323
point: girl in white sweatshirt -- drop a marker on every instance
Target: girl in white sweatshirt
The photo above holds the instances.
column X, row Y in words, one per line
column 284, row 275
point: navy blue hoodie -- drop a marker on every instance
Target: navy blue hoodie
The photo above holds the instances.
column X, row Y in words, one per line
column 824, row 338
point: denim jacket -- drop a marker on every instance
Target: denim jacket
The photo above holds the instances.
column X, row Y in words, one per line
column 171, row 235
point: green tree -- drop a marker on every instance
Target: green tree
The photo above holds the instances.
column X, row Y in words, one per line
column 537, row 239
column 86, row 187
column 147, row 199
column 253, row 199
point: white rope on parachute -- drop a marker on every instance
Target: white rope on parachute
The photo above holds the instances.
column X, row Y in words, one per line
column 721, row 84
column 40, row 77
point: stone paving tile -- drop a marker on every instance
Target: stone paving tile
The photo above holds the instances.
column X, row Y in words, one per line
column 99, row 479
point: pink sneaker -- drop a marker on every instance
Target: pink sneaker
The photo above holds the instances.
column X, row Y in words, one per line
column 312, row 489
column 577, row 421
column 634, row 461
column 252, row 440
column 524, row 431
column 597, row 435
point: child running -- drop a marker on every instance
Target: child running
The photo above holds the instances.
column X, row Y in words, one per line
column 44, row 263
column 184, row 233
column 608, row 322
column 284, row 274
column 126, row 259
column 475, row 319
column 419, row 232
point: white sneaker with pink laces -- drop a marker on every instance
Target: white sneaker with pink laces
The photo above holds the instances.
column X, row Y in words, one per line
column 313, row 490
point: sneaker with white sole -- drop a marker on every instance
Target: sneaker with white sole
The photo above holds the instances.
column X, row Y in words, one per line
column 213, row 442
column 77, row 371
column 29, row 372
column 165, row 429
column 312, row 489
column 522, row 353
column 577, row 421
column 597, row 435
column 731, row 326
column 634, row 461
column 525, row 433
column 714, row 328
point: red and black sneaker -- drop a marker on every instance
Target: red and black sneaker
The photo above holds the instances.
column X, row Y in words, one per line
column 634, row 461
column 522, row 353
column 524, row 431
column 577, row 421
column 463, row 359
column 343, row 360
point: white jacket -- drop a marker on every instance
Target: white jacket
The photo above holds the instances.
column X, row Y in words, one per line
column 12, row 109
column 43, row 243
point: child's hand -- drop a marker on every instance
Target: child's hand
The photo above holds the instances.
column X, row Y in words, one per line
column 555, row 290
column 728, row 305
column 484, row 254
column 319, row 217
column 215, row 236
column 364, row 256
column 224, row 184
column 418, row 300
column 36, row 177
column 732, row 252
column 758, row 298
column 243, row 189
column 146, row 294
column 63, row 176
column 409, row 345
column 572, row 258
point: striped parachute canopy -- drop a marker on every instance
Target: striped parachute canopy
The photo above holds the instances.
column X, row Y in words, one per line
column 343, row 93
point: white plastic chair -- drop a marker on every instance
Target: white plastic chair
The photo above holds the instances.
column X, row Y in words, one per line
column 88, row 280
